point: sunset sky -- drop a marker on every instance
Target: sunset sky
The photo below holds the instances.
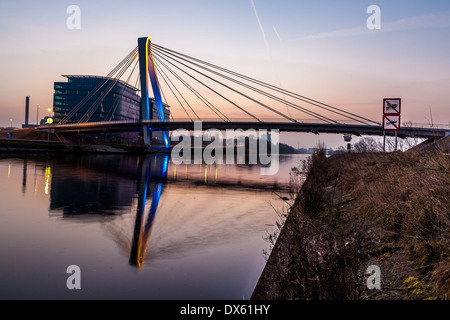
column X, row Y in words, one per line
column 320, row 49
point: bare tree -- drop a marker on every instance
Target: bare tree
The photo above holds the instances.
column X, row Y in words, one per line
column 402, row 144
column 368, row 144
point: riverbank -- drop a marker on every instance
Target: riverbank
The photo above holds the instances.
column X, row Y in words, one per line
column 43, row 146
column 31, row 141
column 361, row 209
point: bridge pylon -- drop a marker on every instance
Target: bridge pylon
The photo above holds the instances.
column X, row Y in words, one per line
column 149, row 78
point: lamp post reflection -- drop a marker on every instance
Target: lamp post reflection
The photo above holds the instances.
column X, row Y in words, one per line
column 153, row 174
column 24, row 175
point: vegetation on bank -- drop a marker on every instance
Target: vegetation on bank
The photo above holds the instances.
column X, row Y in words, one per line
column 360, row 209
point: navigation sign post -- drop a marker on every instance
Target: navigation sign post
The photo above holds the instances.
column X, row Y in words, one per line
column 391, row 118
column 391, row 123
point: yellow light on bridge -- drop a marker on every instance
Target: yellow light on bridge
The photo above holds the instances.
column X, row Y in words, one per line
column 49, row 121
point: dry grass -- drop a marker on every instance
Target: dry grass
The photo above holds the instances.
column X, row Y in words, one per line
column 407, row 194
column 387, row 208
column 317, row 255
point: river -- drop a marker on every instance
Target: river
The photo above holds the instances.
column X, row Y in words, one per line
column 136, row 227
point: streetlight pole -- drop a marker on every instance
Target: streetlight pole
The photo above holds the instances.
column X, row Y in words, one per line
column 37, row 115
column 49, row 115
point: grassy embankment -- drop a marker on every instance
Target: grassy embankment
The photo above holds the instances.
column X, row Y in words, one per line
column 360, row 209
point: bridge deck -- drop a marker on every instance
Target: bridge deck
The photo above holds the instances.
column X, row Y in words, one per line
column 317, row 128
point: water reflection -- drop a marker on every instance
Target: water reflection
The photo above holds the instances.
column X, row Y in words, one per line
column 117, row 216
column 84, row 187
column 24, row 175
column 92, row 185
column 155, row 174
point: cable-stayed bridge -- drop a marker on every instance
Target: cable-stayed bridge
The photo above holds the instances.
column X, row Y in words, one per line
column 316, row 128
column 196, row 87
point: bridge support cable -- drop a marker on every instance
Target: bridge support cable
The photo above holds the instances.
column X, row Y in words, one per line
column 313, row 102
column 74, row 110
column 135, row 86
column 311, row 113
column 201, row 98
column 93, row 108
column 214, row 91
column 266, row 85
column 228, row 87
column 266, row 94
column 167, row 80
column 112, row 82
column 100, row 99
column 191, row 89
column 278, row 99
column 132, row 71
column 164, row 96
column 109, row 116
column 77, row 108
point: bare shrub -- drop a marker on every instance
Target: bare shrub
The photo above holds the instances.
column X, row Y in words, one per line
column 327, row 264
column 320, row 257
column 322, row 251
column 312, row 193
column 368, row 144
column 407, row 194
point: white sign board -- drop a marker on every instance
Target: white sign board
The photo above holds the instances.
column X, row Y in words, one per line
column 391, row 122
column 392, row 106
column 391, row 114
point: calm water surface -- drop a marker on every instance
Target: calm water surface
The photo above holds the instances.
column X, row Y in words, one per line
column 138, row 227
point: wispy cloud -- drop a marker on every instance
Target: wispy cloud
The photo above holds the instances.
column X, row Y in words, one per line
column 435, row 20
column 267, row 45
column 277, row 34
column 261, row 27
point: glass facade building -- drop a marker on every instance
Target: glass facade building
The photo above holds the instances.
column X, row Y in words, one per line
column 112, row 101
column 95, row 98
column 86, row 98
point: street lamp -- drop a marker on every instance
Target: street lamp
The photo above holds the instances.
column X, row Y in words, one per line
column 10, row 120
column 49, row 121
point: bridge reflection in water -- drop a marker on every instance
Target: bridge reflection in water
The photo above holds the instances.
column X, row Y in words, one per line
column 151, row 176
column 87, row 193
column 111, row 185
column 143, row 225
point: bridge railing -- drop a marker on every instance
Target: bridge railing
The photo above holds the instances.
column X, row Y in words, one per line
column 425, row 125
